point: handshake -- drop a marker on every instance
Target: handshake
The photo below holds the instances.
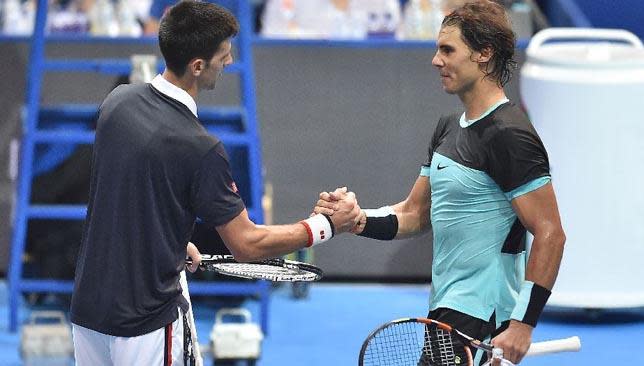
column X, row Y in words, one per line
column 342, row 208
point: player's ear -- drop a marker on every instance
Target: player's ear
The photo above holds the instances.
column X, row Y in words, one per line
column 484, row 55
column 196, row 66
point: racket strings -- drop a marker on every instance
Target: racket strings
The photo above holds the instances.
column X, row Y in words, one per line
column 397, row 345
column 266, row 272
column 441, row 349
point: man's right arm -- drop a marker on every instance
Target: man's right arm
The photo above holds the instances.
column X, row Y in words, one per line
column 411, row 215
column 413, row 212
column 248, row 241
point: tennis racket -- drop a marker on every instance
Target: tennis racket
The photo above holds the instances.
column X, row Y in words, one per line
column 276, row 269
column 427, row 342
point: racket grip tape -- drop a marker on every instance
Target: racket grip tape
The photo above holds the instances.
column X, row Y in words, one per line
column 319, row 228
column 572, row 344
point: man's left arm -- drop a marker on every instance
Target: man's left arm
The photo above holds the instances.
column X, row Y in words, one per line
column 539, row 214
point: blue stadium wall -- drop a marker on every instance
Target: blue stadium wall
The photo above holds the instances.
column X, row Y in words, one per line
column 621, row 14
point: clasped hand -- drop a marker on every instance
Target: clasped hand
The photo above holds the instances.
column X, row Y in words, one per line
column 342, row 206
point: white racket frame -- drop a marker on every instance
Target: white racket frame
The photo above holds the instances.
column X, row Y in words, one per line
column 571, row 344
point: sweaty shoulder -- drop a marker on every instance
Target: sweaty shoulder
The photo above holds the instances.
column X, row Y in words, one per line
column 516, row 153
column 509, row 116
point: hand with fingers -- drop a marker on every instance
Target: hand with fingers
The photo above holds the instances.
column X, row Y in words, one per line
column 342, row 206
column 195, row 256
column 514, row 341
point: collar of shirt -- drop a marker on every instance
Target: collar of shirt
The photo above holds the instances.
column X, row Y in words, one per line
column 164, row 86
column 464, row 122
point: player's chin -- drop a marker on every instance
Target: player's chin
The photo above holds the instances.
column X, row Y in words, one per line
column 449, row 90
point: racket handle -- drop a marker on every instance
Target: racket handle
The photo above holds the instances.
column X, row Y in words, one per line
column 502, row 362
column 572, row 344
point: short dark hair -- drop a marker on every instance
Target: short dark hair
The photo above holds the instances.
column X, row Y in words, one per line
column 193, row 29
column 484, row 23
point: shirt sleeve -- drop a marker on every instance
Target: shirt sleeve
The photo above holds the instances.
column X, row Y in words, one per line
column 433, row 144
column 517, row 157
column 214, row 194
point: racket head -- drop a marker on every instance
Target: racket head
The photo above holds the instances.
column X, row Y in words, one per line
column 415, row 342
column 275, row 270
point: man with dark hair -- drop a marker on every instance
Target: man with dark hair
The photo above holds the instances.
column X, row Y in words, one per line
column 155, row 169
column 486, row 181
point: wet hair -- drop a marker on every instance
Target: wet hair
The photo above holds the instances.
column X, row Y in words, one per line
column 485, row 24
column 193, row 29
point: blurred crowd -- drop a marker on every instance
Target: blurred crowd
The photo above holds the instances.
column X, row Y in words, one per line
column 97, row 17
column 354, row 19
column 317, row 19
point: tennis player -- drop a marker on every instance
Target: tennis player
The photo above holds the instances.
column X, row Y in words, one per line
column 486, row 181
column 155, row 169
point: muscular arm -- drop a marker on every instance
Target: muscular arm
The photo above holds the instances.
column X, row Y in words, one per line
column 248, row 241
column 413, row 212
column 539, row 214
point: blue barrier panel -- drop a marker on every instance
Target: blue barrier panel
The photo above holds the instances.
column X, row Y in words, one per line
column 622, row 14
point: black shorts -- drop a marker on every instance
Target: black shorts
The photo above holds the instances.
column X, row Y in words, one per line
column 473, row 327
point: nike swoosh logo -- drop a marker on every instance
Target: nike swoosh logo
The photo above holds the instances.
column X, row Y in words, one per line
column 439, row 167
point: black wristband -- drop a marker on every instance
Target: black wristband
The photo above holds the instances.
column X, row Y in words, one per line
column 381, row 227
column 532, row 299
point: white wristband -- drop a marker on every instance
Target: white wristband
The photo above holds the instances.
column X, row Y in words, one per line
column 383, row 211
column 318, row 228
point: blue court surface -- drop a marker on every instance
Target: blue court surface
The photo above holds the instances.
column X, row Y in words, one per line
column 328, row 326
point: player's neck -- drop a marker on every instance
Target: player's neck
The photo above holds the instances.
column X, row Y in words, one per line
column 186, row 82
column 480, row 98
